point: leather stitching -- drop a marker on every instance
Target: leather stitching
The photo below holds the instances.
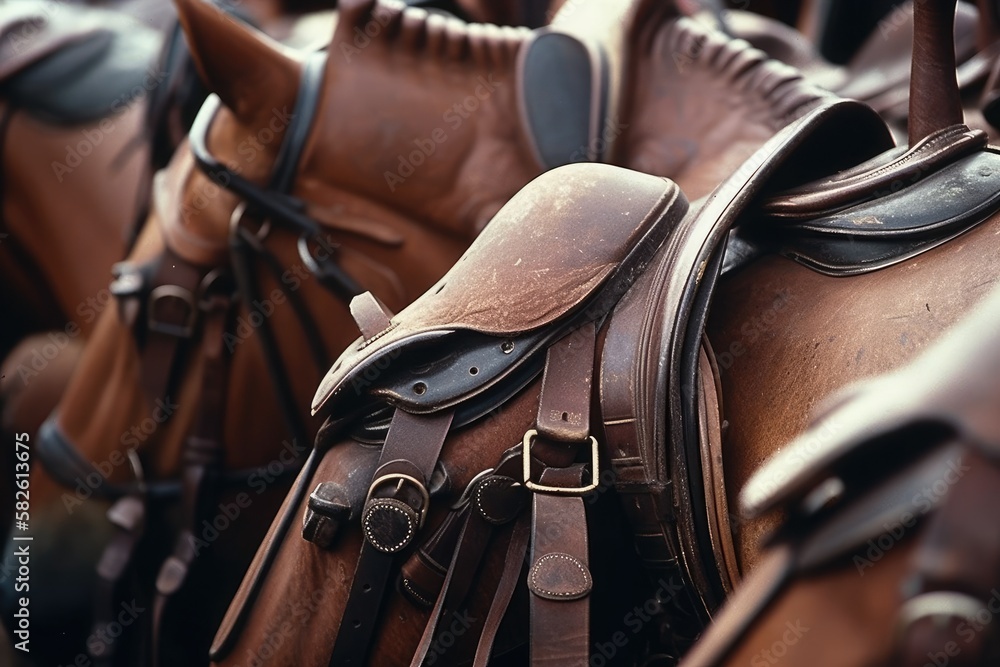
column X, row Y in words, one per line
column 382, row 547
column 574, row 592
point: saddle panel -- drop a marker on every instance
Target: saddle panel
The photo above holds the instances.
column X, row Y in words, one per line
column 950, row 391
column 560, row 252
column 75, row 65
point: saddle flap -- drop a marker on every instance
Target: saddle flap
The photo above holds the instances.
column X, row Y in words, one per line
column 949, row 391
column 572, row 240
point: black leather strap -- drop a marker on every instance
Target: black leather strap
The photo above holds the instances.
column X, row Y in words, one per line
column 397, row 502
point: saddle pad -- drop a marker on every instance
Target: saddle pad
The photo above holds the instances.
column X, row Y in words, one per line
column 950, row 390
column 571, row 241
column 79, row 64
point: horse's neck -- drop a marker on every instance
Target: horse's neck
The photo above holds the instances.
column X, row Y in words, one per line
column 716, row 101
column 436, row 141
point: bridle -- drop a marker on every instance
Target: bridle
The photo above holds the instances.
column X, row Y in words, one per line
column 166, row 302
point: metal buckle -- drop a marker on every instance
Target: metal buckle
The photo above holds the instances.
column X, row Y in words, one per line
column 595, row 473
column 164, row 292
column 424, row 494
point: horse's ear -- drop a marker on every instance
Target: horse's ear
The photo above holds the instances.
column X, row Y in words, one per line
column 252, row 73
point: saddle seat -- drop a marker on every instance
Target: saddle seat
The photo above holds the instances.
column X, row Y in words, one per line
column 559, row 254
column 74, row 65
column 887, row 209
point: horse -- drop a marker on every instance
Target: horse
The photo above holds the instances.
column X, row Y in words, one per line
column 413, row 505
column 881, row 558
column 398, row 219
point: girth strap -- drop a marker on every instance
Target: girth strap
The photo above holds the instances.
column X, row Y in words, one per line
column 398, row 502
column 491, row 501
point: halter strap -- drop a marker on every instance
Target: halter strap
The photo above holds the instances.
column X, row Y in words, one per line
column 306, row 105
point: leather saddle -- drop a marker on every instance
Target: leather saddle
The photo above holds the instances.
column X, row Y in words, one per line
column 72, row 65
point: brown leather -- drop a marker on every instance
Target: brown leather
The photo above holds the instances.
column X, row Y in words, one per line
column 558, row 577
column 495, row 288
column 934, row 100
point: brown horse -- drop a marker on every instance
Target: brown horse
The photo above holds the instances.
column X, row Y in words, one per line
column 400, row 215
column 759, row 313
column 883, row 557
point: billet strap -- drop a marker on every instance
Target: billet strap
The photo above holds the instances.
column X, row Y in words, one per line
column 491, row 501
column 559, row 576
column 516, row 550
column 128, row 516
column 204, row 449
column 397, row 503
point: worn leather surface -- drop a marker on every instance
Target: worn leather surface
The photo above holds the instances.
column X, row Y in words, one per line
column 527, row 271
column 959, row 402
column 912, row 451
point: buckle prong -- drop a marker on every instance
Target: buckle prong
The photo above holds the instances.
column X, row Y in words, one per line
column 400, row 478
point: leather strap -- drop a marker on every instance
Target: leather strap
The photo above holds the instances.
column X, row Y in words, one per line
column 559, row 578
column 516, row 550
column 171, row 312
column 204, row 450
column 493, row 501
column 128, row 516
column 397, row 502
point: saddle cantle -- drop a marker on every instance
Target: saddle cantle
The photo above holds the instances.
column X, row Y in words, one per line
column 560, row 253
column 73, row 65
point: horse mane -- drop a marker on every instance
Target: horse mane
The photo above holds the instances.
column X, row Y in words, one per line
column 392, row 24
